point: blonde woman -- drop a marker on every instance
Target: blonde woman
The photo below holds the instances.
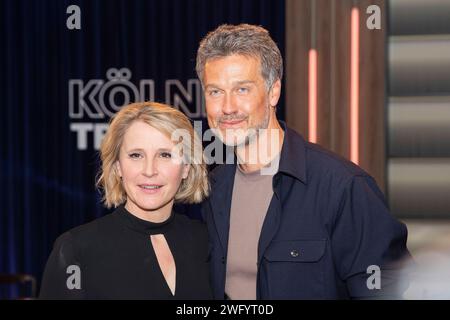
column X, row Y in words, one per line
column 143, row 250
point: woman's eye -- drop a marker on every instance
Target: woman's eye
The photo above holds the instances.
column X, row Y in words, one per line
column 167, row 155
column 134, row 155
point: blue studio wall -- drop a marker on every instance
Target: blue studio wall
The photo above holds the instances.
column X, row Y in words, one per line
column 59, row 86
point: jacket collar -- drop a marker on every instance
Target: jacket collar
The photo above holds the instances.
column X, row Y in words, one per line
column 292, row 159
column 293, row 154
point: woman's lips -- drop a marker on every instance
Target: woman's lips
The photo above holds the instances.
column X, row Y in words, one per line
column 150, row 188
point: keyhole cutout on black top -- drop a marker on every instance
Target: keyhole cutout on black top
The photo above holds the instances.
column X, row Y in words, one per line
column 165, row 260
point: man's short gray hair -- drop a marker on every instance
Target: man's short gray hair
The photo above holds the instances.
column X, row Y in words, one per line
column 243, row 39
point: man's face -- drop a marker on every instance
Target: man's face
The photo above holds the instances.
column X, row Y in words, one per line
column 237, row 99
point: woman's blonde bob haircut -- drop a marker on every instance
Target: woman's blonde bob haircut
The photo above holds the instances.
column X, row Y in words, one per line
column 166, row 119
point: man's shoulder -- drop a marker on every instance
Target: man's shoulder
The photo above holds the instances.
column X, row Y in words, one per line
column 322, row 163
column 319, row 159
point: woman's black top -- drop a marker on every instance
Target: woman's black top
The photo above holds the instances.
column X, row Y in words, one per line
column 113, row 258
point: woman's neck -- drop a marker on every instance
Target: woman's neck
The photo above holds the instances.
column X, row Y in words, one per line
column 156, row 216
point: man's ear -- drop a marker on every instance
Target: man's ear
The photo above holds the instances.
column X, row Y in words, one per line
column 185, row 172
column 275, row 92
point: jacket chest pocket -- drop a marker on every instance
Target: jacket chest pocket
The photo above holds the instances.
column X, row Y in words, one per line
column 294, row 269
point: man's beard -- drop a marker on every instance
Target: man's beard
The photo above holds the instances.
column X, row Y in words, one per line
column 251, row 134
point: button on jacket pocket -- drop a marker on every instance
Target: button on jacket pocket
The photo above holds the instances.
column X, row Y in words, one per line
column 296, row 250
column 294, row 269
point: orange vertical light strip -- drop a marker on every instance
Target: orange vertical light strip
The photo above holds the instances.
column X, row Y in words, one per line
column 312, row 96
column 354, row 87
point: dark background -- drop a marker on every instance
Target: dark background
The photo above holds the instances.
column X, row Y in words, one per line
column 46, row 183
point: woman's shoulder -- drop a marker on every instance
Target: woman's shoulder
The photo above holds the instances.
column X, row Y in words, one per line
column 190, row 222
column 88, row 233
column 195, row 226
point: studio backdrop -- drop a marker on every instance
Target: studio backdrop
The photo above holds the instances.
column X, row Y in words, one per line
column 66, row 67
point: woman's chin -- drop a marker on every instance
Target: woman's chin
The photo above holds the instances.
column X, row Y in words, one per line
column 153, row 204
column 150, row 207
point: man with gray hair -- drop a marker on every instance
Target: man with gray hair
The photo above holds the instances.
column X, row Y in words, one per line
column 288, row 219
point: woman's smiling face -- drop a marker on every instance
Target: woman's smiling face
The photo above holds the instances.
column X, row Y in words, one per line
column 151, row 171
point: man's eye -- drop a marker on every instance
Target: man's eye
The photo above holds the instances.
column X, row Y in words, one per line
column 214, row 92
column 243, row 90
column 134, row 155
column 167, row 155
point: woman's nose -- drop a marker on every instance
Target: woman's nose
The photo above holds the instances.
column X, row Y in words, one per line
column 150, row 168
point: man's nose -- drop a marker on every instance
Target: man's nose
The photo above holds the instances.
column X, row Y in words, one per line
column 229, row 105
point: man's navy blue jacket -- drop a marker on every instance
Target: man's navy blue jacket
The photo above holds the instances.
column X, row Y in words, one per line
column 326, row 224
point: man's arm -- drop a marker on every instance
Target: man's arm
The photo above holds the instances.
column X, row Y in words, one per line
column 367, row 238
